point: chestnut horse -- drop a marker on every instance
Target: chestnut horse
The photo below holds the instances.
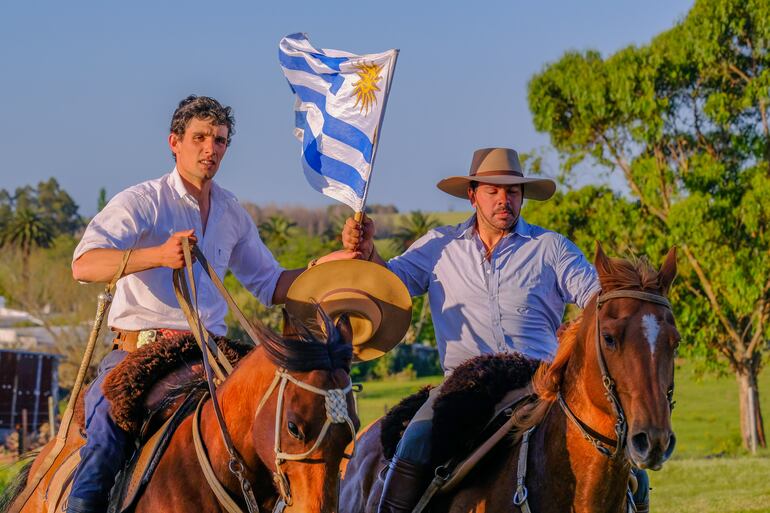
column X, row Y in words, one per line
column 583, row 443
column 276, row 406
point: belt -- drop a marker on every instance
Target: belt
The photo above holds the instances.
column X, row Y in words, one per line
column 130, row 341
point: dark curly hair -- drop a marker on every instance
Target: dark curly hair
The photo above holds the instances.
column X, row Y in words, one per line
column 202, row 107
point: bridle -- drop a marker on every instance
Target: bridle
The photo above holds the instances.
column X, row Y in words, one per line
column 600, row 442
column 217, row 368
column 336, row 413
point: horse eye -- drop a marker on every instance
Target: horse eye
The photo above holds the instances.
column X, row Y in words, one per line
column 609, row 341
column 295, row 432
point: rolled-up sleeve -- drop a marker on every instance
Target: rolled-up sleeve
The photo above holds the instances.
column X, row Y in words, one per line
column 119, row 225
column 254, row 265
column 415, row 265
column 576, row 277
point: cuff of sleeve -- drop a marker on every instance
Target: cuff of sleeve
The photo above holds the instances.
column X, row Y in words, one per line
column 265, row 296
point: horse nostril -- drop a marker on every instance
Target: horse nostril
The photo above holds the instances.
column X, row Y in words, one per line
column 671, row 446
column 641, row 443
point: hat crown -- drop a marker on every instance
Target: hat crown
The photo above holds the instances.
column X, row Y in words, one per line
column 495, row 161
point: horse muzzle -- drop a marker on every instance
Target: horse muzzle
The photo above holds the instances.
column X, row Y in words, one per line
column 650, row 448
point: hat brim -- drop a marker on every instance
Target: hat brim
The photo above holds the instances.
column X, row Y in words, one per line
column 539, row 189
column 357, row 278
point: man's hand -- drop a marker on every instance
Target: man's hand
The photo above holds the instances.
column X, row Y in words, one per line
column 359, row 237
column 170, row 253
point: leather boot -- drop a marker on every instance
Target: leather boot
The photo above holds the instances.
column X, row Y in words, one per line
column 642, row 492
column 404, row 485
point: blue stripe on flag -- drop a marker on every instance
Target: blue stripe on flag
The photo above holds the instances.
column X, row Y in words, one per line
column 300, row 64
column 332, row 62
column 333, row 127
column 324, row 165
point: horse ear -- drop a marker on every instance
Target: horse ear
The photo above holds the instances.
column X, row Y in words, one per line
column 344, row 329
column 602, row 262
column 667, row 271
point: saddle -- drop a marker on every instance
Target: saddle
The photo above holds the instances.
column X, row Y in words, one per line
column 150, row 393
column 475, row 409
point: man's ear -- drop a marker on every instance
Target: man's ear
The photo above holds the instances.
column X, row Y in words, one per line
column 472, row 196
column 173, row 141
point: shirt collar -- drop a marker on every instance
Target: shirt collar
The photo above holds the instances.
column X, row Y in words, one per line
column 175, row 180
column 468, row 228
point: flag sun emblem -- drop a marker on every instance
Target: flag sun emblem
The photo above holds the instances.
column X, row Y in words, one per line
column 365, row 89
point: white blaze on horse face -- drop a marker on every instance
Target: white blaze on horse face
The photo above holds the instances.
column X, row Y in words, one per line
column 651, row 329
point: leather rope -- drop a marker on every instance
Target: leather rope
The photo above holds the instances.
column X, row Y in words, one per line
column 104, row 301
column 213, row 362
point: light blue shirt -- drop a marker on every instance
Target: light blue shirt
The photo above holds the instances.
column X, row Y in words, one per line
column 513, row 302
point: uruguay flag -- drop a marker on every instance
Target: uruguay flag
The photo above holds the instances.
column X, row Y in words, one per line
column 340, row 103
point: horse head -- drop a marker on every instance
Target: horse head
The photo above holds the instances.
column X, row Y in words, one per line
column 306, row 416
column 635, row 344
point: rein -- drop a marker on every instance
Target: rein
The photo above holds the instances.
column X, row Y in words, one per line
column 215, row 362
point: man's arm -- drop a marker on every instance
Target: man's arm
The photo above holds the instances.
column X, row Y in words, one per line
column 287, row 277
column 100, row 264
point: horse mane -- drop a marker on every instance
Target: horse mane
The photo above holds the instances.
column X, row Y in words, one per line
column 624, row 274
column 303, row 351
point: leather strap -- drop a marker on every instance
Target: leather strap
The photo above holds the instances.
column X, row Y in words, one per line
column 221, row 494
column 104, row 301
column 213, row 362
column 520, row 497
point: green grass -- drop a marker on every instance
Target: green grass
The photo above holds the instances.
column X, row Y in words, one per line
column 718, row 485
column 379, row 396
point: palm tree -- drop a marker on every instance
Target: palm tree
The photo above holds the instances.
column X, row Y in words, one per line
column 276, row 231
column 411, row 229
column 24, row 231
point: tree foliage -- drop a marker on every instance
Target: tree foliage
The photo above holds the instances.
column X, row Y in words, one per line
column 684, row 120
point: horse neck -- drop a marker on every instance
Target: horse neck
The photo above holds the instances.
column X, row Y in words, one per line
column 598, row 483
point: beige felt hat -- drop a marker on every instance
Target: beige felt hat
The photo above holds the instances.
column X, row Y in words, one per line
column 376, row 300
column 498, row 166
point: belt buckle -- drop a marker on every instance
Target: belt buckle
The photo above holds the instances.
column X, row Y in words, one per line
column 146, row 337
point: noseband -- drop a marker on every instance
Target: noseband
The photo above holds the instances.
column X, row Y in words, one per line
column 599, row 441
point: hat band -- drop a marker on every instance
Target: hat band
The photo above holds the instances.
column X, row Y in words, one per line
column 500, row 172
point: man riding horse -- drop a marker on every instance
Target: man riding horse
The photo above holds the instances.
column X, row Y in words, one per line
column 495, row 283
column 152, row 219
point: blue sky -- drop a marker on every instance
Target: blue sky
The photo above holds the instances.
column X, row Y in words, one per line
column 88, row 88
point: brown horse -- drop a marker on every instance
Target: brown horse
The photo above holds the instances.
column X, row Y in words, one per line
column 276, row 409
column 632, row 336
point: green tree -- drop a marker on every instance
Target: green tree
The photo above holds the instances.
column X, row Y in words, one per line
column 684, row 121
column 24, row 231
column 101, row 201
column 276, row 232
column 412, row 228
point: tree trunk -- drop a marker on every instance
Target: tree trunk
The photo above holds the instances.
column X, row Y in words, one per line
column 752, row 425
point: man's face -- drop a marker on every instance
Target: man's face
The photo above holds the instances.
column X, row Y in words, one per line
column 200, row 150
column 497, row 206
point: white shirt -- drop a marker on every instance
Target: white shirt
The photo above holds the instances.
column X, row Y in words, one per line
column 145, row 215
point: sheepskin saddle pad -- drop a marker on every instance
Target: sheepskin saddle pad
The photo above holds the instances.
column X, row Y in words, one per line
column 156, row 378
column 464, row 407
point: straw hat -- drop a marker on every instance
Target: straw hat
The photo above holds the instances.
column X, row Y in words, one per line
column 498, row 166
column 378, row 303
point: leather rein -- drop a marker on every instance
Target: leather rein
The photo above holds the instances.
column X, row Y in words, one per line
column 217, row 368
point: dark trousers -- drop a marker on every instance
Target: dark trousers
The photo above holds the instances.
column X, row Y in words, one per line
column 106, row 449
